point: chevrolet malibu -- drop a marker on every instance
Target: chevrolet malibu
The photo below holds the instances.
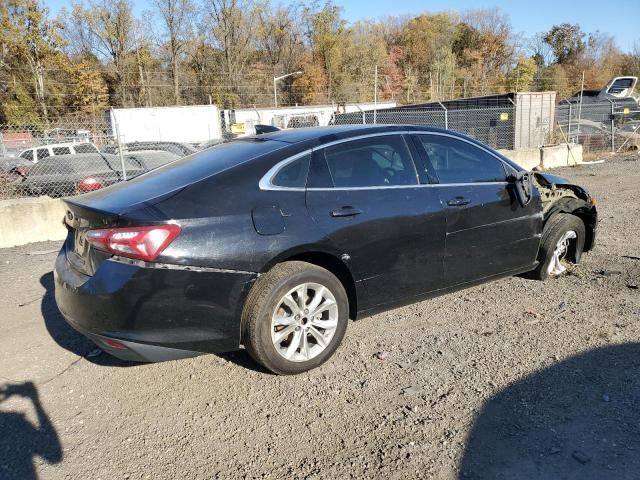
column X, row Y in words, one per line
column 273, row 242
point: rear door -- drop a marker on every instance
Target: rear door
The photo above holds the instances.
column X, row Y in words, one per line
column 365, row 195
column 488, row 232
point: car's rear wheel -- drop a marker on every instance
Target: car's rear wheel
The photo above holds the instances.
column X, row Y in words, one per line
column 561, row 246
column 295, row 317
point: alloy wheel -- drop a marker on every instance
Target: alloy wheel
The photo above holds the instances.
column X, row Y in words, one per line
column 304, row 322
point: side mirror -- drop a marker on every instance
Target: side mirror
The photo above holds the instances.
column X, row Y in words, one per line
column 522, row 186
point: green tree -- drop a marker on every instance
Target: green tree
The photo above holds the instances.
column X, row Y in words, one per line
column 522, row 77
column 567, row 42
column 326, row 34
column 28, row 34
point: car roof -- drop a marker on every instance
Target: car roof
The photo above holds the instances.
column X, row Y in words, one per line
column 313, row 137
column 55, row 145
column 320, row 135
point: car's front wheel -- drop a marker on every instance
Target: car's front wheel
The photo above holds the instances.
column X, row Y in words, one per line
column 295, row 317
column 561, row 246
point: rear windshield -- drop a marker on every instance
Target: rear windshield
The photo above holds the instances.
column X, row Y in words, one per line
column 50, row 166
column 151, row 160
column 213, row 160
column 114, row 163
column 80, row 165
column 182, row 172
column 85, row 148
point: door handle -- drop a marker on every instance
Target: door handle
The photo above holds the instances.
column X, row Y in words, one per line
column 346, row 211
column 458, row 202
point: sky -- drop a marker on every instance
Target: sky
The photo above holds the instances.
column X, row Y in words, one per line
column 615, row 17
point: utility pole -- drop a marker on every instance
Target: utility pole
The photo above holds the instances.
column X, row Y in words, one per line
column 275, row 88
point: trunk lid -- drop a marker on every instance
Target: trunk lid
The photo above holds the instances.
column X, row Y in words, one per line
column 79, row 219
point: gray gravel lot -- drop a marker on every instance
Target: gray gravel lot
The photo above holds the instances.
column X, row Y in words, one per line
column 516, row 379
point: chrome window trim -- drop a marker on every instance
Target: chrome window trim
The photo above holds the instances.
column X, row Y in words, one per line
column 266, row 184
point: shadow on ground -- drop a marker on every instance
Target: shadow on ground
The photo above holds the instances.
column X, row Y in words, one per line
column 578, row 419
column 70, row 340
column 21, row 441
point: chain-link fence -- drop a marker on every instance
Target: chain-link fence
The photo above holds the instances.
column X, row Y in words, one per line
column 75, row 157
column 493, row 126
column 599, row 126
column 69, row 157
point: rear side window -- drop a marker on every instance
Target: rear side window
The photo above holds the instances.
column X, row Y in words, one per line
column 85, row 148
column 294, row 174
column 457, row 161
column 371, row 162
column 42, row 153
column 61, row 151
column 28, row 155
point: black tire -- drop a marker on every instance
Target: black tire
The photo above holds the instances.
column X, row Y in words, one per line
column 554, row 229
column 262, row 302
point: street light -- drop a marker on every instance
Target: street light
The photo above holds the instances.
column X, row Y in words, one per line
column 275, row 90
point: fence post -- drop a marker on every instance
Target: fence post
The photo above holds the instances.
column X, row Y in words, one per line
column 446, row 116
column 119, row 143
column 613, row 127
column 569, row 127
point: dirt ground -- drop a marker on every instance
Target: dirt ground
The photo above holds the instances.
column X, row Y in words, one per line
column 512, row 380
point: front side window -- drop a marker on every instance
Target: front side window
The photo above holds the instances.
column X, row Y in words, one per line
column 379, row 161
column 28, row 154
column 456, row 161
column 294, row 174
column 42, row 153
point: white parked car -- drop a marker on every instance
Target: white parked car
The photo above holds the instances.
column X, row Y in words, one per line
column 38, row 153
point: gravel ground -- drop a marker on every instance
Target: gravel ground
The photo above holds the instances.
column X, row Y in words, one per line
column 516, row 379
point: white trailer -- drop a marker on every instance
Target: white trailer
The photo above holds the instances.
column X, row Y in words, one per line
column 299, row 116
column 189, row 124
column 201, row 123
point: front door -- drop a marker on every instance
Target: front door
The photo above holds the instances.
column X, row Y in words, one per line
column 364, row 194
column 488, row 231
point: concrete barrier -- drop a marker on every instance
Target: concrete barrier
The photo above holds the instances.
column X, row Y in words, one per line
column 562, row 155
column 550, row 156
column 528, row 158
column 27, row 220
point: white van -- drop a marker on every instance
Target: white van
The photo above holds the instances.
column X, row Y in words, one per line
column 38, row 153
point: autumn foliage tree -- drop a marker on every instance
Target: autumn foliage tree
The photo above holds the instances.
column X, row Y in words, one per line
column 102, row 53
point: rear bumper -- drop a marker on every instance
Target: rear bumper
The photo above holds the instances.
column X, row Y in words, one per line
column 153, row 313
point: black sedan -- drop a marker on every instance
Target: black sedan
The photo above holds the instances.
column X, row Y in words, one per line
column 273, row 242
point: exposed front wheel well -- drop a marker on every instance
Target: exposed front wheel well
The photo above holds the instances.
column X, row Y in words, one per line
column 580, row 209
column 338, row 268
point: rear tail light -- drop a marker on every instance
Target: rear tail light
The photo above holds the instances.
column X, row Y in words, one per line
column 90, row 184
column 22, row 170
column 141, row 243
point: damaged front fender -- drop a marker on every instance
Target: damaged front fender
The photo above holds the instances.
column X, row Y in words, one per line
column 559, row 195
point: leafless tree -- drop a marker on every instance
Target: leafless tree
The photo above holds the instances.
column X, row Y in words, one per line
column 176, row 23
column 231, row 26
